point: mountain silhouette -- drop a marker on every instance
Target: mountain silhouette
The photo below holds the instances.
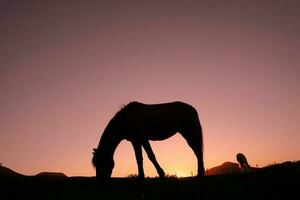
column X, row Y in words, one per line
column 6, row 172
column 51, row 175
column 225, row 168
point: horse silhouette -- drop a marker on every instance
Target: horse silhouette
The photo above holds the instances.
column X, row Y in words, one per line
column 139, row 123
column 241, row 158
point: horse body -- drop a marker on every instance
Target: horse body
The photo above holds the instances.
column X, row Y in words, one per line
column 139, row 123
column 155, row 122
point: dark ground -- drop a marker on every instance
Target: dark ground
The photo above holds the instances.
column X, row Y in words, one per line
column 272, row 183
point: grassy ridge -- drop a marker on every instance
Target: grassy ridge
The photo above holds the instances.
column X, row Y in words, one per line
column 275, row 182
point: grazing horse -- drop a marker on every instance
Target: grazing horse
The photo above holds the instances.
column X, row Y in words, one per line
column 139, row 123
column 241, row 158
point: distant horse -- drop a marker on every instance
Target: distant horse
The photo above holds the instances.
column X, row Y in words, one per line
column 241, row 158
column 139, row 123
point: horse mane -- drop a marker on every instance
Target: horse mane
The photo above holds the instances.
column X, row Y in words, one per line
column 113, row 123
column 120, row 114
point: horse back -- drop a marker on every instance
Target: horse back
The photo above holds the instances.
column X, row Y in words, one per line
column 157, row 121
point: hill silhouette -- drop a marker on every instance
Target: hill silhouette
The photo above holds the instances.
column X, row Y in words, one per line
column 225, row 168
column 288, row 165
column 228, row 168
column 51, row 175
column 279, row 181
column 231, row 168
column 6, row 172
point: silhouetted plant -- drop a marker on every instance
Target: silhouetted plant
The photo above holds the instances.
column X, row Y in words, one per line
column 172, row 176
column 132, row 176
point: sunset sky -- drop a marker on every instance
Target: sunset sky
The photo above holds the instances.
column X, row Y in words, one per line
column 66, row 67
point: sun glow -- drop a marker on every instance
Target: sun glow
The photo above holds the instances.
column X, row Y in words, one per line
column 181, row 174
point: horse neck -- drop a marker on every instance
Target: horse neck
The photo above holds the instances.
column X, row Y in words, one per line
column 108, row 143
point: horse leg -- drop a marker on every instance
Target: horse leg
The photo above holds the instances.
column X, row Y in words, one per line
column 194, row 141
column 197, row 148
column 139, row 158
column 152, row 158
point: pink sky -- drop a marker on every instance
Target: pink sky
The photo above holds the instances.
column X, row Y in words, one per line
column 66, row 69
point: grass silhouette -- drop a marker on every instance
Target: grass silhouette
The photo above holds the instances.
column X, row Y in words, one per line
column 275, row 181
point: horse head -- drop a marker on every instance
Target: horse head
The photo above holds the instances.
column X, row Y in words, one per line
column 103, row 164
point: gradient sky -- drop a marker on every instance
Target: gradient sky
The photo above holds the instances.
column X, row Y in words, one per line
column 67, row 67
